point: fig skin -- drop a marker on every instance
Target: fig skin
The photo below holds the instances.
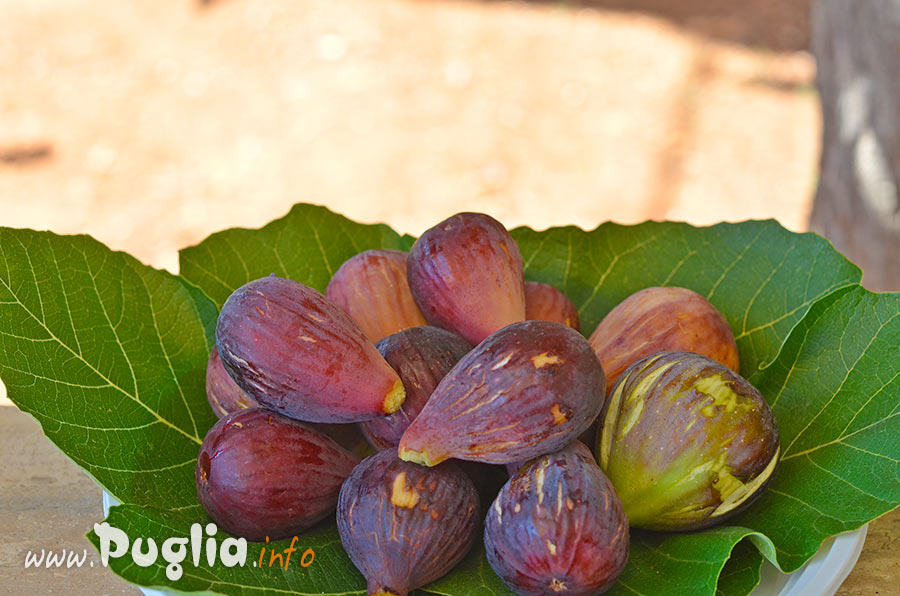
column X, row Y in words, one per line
column 222, row 393
column 421, row 356
column 297, row 353
column 658, row 319
column 403, row 525
column 348, row 436
column 557, row 527
column 260, row 474
column 529, row 389
column 371, row 287
column 225, row 397
column 544, row 302
column 686, row 441
column 466, row 276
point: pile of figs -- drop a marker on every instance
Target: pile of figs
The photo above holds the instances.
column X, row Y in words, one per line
column 443, row 364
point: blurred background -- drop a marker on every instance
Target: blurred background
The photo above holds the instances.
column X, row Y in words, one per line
column 150, row 125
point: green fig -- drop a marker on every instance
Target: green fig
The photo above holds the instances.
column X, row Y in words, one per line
column 686, row 441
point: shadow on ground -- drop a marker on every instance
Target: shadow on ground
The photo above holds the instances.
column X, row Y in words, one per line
column 777, row 25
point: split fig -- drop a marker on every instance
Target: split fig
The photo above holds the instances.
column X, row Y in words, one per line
column 222, row 393
column 662, row 318
column 403, row 525
column 421, row 356
column 557, row 527
column 529, row 389
column 544, row 302
column 686, row 441
column 260, row 474
column 299, row 354
column 466, row 276
column 371, row 287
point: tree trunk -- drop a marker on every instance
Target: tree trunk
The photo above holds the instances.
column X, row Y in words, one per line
column 857, row 49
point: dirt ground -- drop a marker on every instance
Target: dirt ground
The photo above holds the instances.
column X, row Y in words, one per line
column 150, row 125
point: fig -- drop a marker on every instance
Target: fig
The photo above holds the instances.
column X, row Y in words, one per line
column 403, row 525
column 222, row 393
column 348, row 436
column 529, row 389
column 421, row 356
column 371, row 287
column 543, row 302
column 658, row 319
column 260, row 474
column 686, row 441
column 466, row 276
column 299, row 354
column 557, row 527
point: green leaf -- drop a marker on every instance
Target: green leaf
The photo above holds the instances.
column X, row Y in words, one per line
column 835, row 392
column 108, row 355
column 762, row 277
column 472, row 577
column 742, row 571
column 661, row 563
column 328, row 570
column 308, row 245
column 825, row 352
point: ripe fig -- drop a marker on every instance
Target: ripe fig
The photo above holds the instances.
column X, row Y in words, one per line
column 371, row 287
column 686, row 441
column 543, row 302
column 529, row 389
column 662, row 318
column 299, row 354
column 466, row 276
column 403, row 525
column 348, row 436
column 557, row 527
column 222, row 393
column 421, row 356
column 262, row 474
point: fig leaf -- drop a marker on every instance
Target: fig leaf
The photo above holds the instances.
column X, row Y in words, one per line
column 109, row 356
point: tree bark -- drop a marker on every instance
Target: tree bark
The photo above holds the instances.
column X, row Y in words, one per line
column 857, row 48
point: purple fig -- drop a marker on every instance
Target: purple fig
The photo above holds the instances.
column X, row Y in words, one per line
column 557, row 527
column 543, row 302
column 403, row 525
column 260, row 474
column 348, row 436
column 299, row 354
column 222, row 392
column 371, row 287
column 662, row 318
column 686, row 441
column 421, row 356
column 466, row 276
column 529, row 389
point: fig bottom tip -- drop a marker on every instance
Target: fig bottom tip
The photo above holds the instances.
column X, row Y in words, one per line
column 395, row 398
column 419, row 457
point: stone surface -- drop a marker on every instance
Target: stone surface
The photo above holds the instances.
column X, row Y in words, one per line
column 46, row 502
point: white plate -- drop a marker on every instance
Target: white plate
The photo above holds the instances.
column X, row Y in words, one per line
column 821, row 576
